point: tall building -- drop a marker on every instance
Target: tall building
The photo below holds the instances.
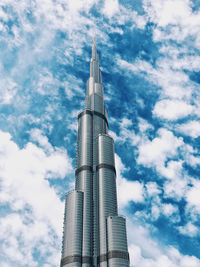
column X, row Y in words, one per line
column 94, row 234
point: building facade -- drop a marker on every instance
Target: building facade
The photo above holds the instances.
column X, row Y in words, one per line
column 94, row 235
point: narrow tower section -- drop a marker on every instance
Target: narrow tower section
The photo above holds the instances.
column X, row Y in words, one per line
column 94, row 235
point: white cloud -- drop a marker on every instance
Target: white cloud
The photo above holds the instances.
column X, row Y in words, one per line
column 168, row 73
column 173, row 170
column 125, row 123
column 38, row 136
column 3, row 15
column 139, row 235
column 189, row 155
column 34, row 45
column 139, row 65
column 175, row 188
column 165, row 74
column 189, row 261
column 22, row 234
column 186, row 62
column 72, row 86
column 167, row 12
column 192, row 160
column 25, row 190
column 158, row 208
column 126, row 134
column 130, row 135
column 155, row 212
column 191, row 128
column 156, row 152
column 127, row 190
column 159, row 154
column 144, row 125
column 172, row 109
column 23, row 173
column 174, row 18
column 46, row 83
column 118, row 14
column 115, row 137
column 8, row 89
column 169, row 209
column 188, row 229
column 110, row 7
column 147, row 252
column 193, row 196
column 152, row 189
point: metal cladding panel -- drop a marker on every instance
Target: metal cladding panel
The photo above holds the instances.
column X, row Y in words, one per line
column 118, row 263
column 98, row 89
column 90, row 90
column 84, row 142
column 74, row 264
column 100, row 77
column 97, row 103
column 90, row 86
column 106, row 116
column 94, row 52
column 107, row 203
column 73, row 224
column 117, row 241
column 99, row 127
column 84, row 183
column 107, row 187
column 107, row 192
column 87, row 102
column 106, row 149
column 94, row 70
column 95, row 216
column 103, row 264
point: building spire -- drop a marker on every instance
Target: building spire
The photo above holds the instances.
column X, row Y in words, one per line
column 94, row 64
column 94, row 50
column 95, row 39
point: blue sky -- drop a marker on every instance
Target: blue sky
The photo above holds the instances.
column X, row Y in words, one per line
column 150, row 62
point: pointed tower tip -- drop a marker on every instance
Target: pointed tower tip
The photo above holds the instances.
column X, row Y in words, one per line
column 94, row 50
column 95, row 39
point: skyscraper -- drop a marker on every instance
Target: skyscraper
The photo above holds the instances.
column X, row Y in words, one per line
column 94, row 234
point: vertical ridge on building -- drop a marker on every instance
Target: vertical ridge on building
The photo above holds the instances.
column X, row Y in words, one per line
column 94, row 235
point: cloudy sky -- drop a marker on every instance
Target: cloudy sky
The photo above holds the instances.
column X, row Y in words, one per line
column 150, row 62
